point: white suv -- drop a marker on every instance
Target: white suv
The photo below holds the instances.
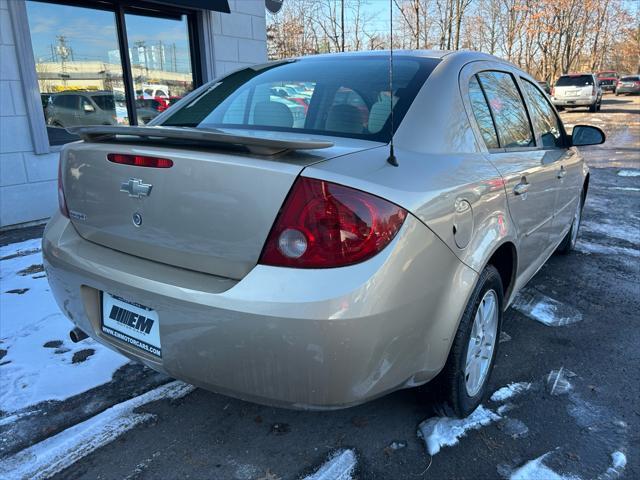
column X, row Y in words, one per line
column 577, row 90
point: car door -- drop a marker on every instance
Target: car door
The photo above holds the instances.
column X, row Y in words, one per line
column 529, row 178
column 66, row 106
column 566, row 160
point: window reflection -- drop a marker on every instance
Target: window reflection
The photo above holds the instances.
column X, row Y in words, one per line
column 482, row 114
column 508, row 110
column 160, row 62
column 78, row 67
column 543, row 117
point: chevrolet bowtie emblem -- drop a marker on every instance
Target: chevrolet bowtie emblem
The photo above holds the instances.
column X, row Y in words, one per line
column 135, row 188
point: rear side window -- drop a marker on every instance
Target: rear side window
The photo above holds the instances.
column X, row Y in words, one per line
column 629, row 79
column 509, row 114
column 575, row 81
column 482, row 114
column 543, row 117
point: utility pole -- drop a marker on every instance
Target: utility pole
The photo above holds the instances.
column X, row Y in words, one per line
column 342, row 20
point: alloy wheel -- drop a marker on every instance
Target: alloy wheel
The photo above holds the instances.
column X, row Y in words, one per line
column 482, row 343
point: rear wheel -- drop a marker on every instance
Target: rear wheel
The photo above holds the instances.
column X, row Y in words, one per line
column 464, row 379
column 593, row 107
column 569, row 241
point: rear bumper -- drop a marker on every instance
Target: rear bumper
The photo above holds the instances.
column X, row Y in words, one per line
column 291, row 337
column 628, row 90
column 574, row 102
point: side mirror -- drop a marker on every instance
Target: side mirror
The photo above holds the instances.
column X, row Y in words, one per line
column 583, row 135
column 88, row 108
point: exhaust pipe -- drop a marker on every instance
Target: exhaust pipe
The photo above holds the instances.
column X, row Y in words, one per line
column 77, row 335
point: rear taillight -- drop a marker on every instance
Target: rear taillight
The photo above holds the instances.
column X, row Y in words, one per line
column 553, row 91
column 140, row 160
column 62, row 202
column 593, row 90
column 322, row 225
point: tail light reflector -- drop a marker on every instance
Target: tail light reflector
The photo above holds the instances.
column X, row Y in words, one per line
column 553, row 91
column 323, row 225
column 140, row 160
column 62, row 202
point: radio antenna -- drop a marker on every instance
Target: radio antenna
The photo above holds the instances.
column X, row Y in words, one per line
column 392, row 157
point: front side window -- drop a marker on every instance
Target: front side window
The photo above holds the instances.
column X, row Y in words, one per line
column 544, row 119
column 510, row 116
column 482, row 114
column 325, row 96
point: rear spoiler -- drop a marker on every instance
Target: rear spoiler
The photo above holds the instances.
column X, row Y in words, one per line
column 260, row 145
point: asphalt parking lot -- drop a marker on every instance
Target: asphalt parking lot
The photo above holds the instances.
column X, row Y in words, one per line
column 569, row 347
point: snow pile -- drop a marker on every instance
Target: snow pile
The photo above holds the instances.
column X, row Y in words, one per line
column 509, row 391
column 56, row 453
column 618, row 462
column 31, row 372
column 439, row 432
column 340, row 466
column 545, row 309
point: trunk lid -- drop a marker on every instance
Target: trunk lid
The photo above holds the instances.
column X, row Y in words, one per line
column 210, row 212
column 569, row 92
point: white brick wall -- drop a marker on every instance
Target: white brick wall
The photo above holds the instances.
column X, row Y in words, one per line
column 239, row 38
column 28, row 181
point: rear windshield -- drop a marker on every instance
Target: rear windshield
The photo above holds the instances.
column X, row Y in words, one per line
column 346, row 96
column 575, row 81
column 629, row 79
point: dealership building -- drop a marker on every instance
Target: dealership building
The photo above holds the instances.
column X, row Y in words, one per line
column 111, row 62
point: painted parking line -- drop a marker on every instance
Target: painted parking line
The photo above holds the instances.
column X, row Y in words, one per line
column 56, row 453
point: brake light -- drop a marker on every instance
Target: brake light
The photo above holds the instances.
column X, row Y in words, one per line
column 323, row 225
column 62, row 202
column 553, row 91
column 140, row 160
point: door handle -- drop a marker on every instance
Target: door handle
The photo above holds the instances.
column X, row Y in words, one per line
column 522, row 187
column 562, row 172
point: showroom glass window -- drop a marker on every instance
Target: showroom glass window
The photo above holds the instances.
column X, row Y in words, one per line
column 83, row 77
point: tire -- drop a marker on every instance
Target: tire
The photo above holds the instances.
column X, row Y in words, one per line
column 458, row 394
column 560, row 109
column 617, row 94
column 568, row 243
column 593, row 107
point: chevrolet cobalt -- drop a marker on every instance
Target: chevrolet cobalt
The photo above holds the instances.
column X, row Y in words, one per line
column 298, row 257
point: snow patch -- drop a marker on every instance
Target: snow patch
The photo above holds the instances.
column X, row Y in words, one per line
column 536, row 470
column 557, row 381
column 514, row 428
column 545, row 309
column 33, row 373
column 626, row 189
column 589, row 248
column 618, row 463
column 439, row 432
column 629, row 173
column 629, row 233
column 56, row 453
column 509, row 391
column 339, row 467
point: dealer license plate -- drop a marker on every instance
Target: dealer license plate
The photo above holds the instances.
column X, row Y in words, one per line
column 132, row 323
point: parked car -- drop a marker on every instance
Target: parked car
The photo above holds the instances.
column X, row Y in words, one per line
column 628, row 84
column 68, row 109
column 306, row 264
column 608, row 74
column 545, row 86
column 608, row 84
column 577, row 90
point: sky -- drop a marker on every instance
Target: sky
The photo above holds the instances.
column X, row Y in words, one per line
column 91, row 34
